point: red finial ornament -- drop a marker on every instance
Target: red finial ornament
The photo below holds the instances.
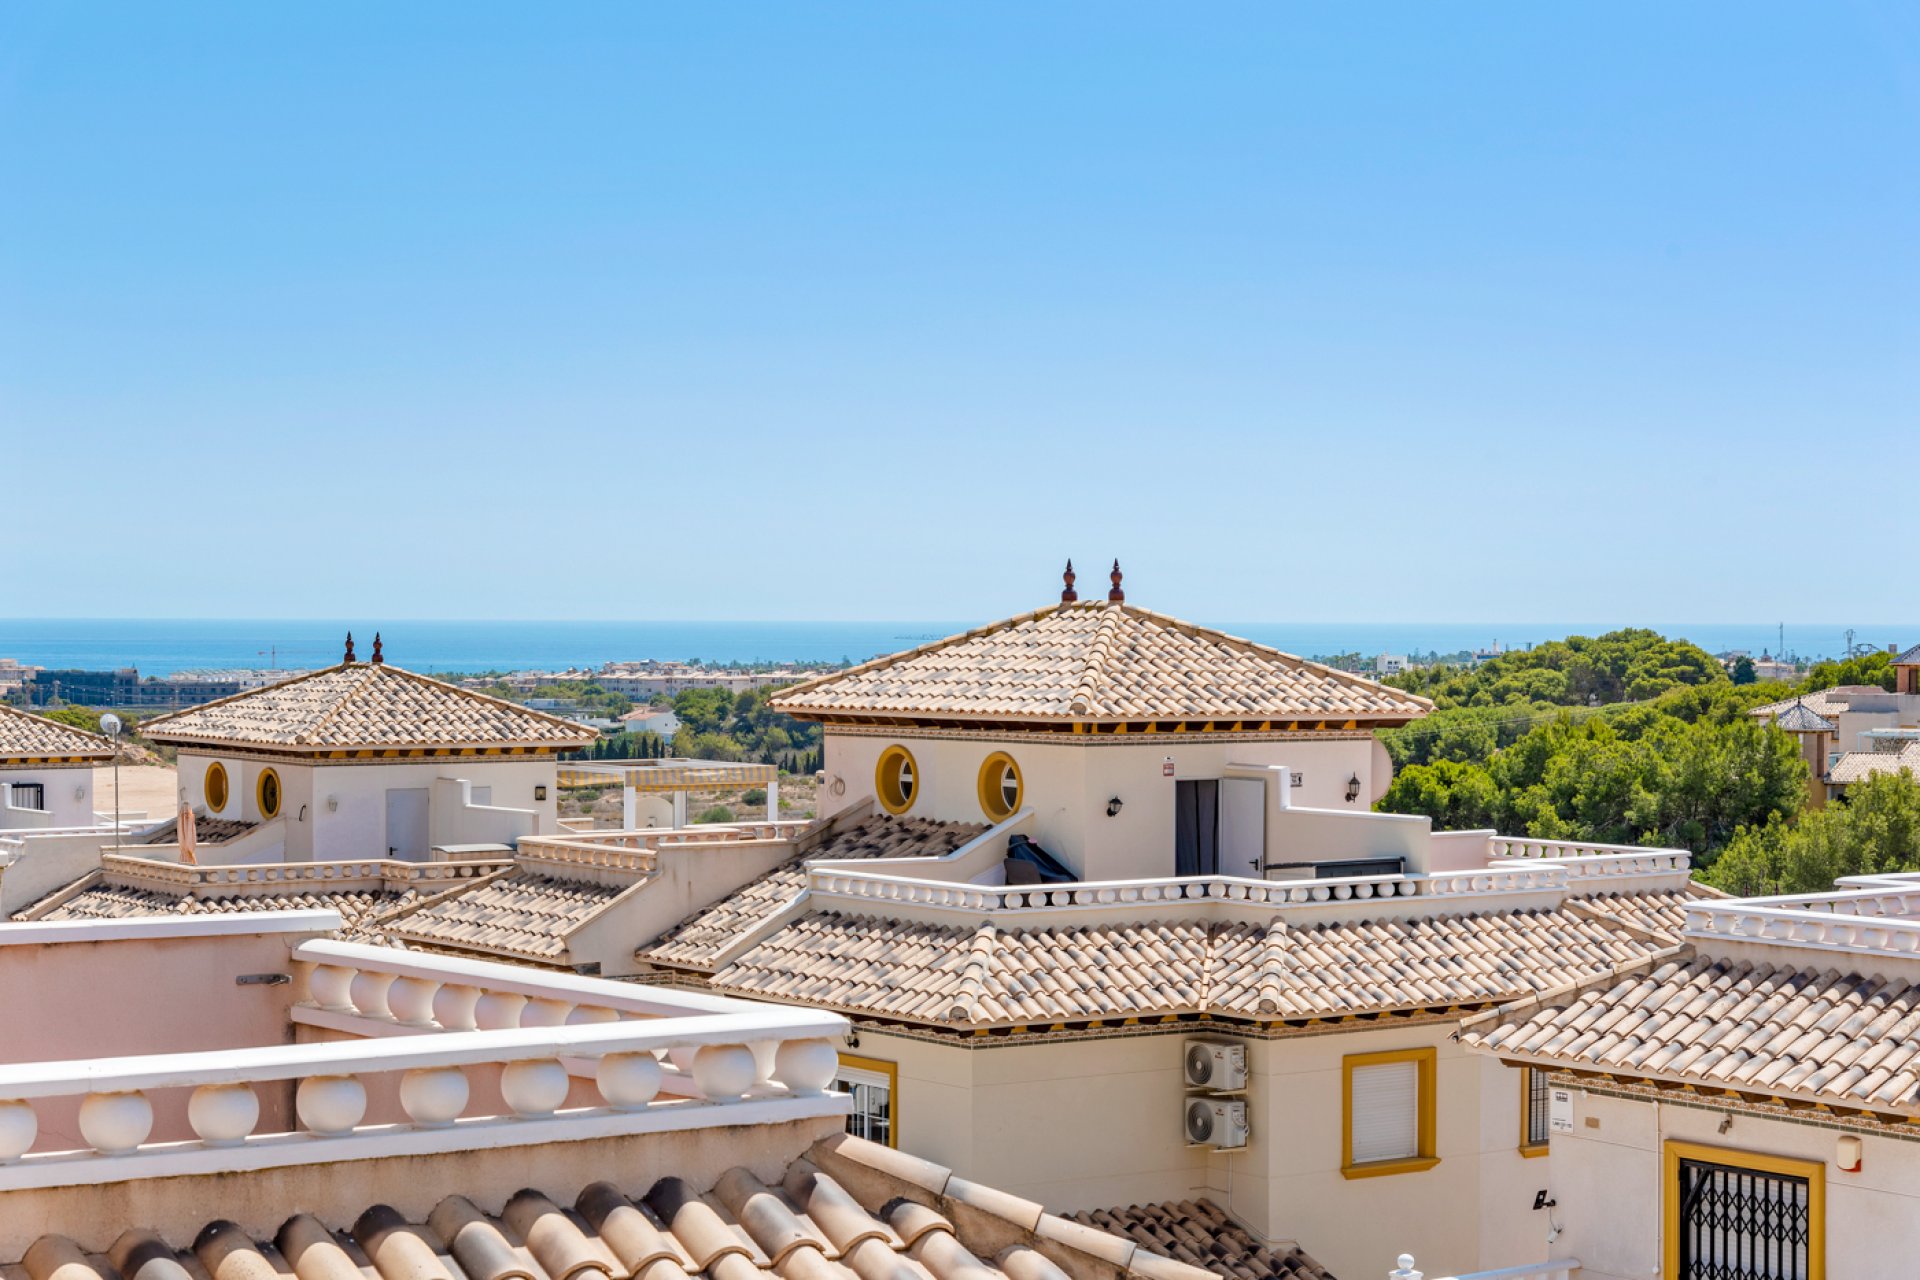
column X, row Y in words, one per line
column 1116, row 596
column 1068, row 595
column 377, row 658
column 349, row 657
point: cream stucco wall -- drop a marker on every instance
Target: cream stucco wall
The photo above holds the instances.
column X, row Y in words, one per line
column 340, row 810
column 68, row 796
column 1609, row 1177
column 1069, row 781
column 1095, row 1123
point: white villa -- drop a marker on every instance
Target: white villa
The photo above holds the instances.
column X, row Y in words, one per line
column 1851, row 732
column 366, row 760
column 46, row 772
column 1745, row 1102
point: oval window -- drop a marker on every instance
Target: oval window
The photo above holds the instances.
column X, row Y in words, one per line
column 216, row 786
column 999, row 787
column 896, row 779
column 267, row 792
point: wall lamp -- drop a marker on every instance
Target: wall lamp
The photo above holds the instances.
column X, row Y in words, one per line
column 1353, row 788
column 1113, row 807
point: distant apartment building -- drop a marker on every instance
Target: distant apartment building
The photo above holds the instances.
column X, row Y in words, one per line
column 124, row 687
column 666, row 679
column 1390, row 664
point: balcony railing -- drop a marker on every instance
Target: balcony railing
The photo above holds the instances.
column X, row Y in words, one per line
column 655, row 1059
column 638, row 851
column 330, row 875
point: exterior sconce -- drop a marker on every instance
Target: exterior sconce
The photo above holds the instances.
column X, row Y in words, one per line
column 333, row 804
column 1113, row 807
column 79, row 793
column 540, row 792
column 1847, row 1154
column 1353, row 788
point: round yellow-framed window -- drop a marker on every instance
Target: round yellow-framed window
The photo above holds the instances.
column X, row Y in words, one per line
column 266, row 793
column 216, row 786
column 1000, row 786
column 896, row 779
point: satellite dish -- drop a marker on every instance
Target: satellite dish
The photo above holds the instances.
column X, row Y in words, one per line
column 110, row 725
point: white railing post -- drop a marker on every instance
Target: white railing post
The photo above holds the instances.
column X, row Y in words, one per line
column 1403, row 1269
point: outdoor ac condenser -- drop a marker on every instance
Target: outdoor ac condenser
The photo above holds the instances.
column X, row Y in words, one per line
column 1211, row 1064
column 1217, row 1122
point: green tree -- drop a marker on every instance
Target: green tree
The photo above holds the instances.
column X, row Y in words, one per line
column 1875, row 831
column 1743, row 670
column 1874, row 669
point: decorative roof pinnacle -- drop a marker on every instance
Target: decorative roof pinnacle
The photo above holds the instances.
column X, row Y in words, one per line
column 378, row 659
column 1116, row 596
column 1068, row 595
column 349, row 657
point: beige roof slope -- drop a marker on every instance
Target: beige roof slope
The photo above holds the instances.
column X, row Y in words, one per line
column 1826, row 703
column 840, row 1210
column 1753, row 1027
column 1099, row 662
column 987, row 976
column 360, row 909
column 1199, row 1232
column 523, row 914
column 364, row 704
column 697, row 941
column 25, row 736
column 1858, row 766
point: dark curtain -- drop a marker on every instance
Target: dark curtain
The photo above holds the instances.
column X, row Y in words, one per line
column 1196, row 828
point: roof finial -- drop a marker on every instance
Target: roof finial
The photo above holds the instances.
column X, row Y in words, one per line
column 1116, row 596
column 377, row 658
column 349, row 657
column 1068, row 595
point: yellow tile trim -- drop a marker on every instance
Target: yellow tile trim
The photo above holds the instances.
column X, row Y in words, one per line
column 1814, row 1171
column 1426, row 1094
column 891, row 1070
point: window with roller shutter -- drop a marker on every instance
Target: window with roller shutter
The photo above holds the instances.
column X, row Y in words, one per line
column 1388, row 1113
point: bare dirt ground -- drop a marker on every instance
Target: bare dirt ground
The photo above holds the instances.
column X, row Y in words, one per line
column 153, row 788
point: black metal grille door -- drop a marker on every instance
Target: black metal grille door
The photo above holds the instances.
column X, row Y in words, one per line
column 1738, row 1224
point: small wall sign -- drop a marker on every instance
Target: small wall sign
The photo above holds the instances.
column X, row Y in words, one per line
column 1166, row 769
column 1560, row 1110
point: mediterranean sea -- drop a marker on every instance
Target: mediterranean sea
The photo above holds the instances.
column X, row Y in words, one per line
column 162, row 646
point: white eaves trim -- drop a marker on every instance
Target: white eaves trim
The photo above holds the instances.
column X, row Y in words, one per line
column 41, row 933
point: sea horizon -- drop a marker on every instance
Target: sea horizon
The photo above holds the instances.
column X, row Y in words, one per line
column 162, row 646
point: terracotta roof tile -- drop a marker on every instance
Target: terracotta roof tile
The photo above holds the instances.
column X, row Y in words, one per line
column 359, row 909
column 698, row 940
column 356, row 705
column 25, row 736
column 992, row 975
column 1099, row 662
column 808, row 1225
column 1199, row 1233
column 1818, row 1035
column 1858, row 766
column 522, row 914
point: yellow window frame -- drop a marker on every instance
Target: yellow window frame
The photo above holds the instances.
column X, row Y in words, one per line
column 891, row 1070
column 993, row 772
column 1814, row 1171
column 215, row 781
column 1528, row 1147
column 260, row 793
column 1426, row 1122
column 886, row 779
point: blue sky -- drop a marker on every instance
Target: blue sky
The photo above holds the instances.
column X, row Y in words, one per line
column 1312, row 312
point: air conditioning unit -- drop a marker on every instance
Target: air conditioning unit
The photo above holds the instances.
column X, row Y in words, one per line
column 1217, row 1122
column 1212, row 1064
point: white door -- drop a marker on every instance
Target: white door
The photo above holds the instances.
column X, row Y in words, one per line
column 1243, row 827
column 407, row 824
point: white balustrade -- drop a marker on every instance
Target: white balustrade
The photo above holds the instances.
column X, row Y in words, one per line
column 211, row 878
column 223, row 1114
column 1804, row 925
column 116, row 1122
